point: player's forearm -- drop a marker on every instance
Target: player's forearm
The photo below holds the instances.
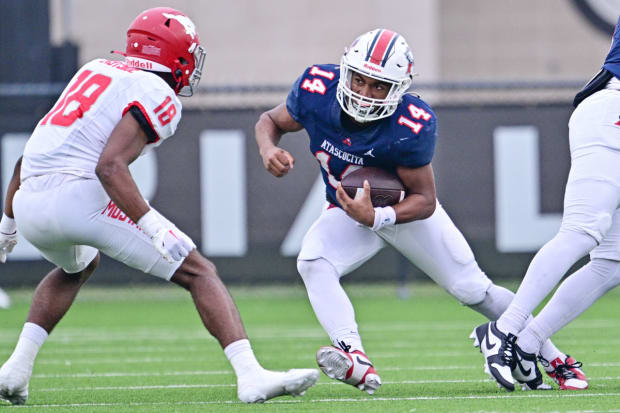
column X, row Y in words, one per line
column 12, row 188
column 122, row 189
column 267, row 133
column 415, row 207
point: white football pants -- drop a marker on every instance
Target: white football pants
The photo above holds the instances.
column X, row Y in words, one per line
column 434, row 245
column 592, row 195
column 71, row 219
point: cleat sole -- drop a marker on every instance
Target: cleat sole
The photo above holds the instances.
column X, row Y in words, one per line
column 333, row 363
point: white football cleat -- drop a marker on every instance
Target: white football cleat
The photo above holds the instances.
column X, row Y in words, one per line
column 5, row 300
column 265, row 385
column 14, row 382
column 352, row 368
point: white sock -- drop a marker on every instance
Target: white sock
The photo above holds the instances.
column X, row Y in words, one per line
column 549, row 352
column 348, row 340
column 529, row 340
column 30, row 341
column 330, row 302
column 545, row 271
column 242, row 357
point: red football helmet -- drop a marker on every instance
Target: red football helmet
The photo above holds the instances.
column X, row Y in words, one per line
column 165, row 40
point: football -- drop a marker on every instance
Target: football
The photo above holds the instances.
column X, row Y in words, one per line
column 385, row 187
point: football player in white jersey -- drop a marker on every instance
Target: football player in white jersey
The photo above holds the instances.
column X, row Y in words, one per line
column 590, row 225
column 72, row 196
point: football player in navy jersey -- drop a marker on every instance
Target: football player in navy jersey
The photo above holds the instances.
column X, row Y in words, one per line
column 358, row 114
column 590, row 225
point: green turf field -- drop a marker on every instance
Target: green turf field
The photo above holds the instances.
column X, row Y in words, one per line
column 144, row 350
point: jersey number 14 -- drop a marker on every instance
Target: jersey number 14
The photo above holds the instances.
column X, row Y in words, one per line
column 316, row 85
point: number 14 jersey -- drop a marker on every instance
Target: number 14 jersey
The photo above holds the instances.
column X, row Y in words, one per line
column 72, row 135
column 406, row 138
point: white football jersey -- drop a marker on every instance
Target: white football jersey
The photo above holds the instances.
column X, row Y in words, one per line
column 72, row 135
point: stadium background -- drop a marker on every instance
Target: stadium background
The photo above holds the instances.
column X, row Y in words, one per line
column 500, row 75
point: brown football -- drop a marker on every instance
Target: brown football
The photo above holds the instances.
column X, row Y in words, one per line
column 385, row 187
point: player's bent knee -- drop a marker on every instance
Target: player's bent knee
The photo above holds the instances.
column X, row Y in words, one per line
column 194, row 268
column 312, row 268
column 592, row 223
column 470, row 290
column 92, row 266
column 84, row 273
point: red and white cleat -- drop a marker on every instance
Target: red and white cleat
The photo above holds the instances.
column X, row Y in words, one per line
column 353, row 368
column 568, row 374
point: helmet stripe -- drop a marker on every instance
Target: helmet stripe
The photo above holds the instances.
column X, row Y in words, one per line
column 372, row 45
column 389, row 49
column 378, row 53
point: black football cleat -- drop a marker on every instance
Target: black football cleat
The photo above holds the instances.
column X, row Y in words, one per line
column 498, row 351
column 526, row 372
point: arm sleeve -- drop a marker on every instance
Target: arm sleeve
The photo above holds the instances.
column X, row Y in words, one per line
column 144, row 123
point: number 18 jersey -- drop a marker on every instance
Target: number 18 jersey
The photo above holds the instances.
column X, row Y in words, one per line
column 72, row 135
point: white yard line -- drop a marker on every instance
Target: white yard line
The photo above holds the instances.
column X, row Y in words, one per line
column 201, row 350
column 140, row 374
column 305, row 331
column 529, row 395
column 210, row 356
column 208, row 385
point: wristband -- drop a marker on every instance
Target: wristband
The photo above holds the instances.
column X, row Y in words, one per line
column 383, row 217
column 150, row 223
column 7, row 225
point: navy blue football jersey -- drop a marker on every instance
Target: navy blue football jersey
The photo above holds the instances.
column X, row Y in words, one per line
column 612, row 62
column 407, row 138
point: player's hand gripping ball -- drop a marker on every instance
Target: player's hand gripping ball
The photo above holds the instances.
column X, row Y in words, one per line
column 385, row 187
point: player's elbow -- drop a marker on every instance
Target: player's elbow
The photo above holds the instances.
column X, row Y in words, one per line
column 107, row 169
column 266, row 123
column 264, row 117
column 429, row 207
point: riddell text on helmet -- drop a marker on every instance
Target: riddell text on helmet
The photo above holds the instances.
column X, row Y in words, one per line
column 141, row 65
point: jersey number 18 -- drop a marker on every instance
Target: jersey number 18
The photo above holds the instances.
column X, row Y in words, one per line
column 78, row 102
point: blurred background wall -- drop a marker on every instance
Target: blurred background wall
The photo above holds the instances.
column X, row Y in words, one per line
column 500, row 74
